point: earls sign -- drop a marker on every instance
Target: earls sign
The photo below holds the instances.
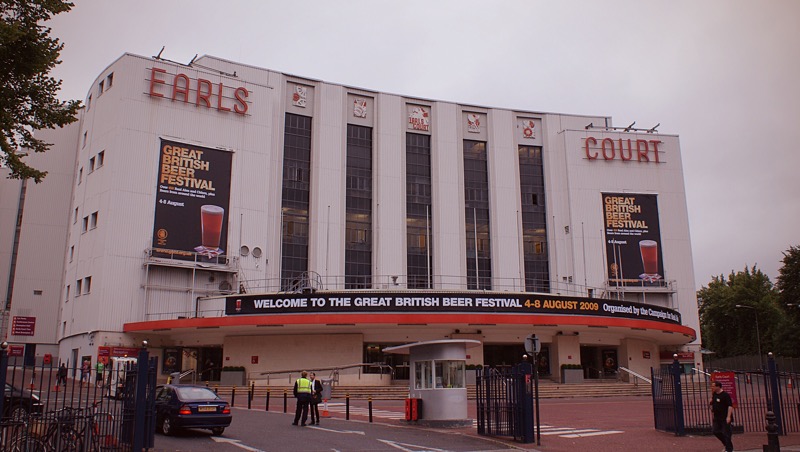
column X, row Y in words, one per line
column 623, row 149
column 179, row 87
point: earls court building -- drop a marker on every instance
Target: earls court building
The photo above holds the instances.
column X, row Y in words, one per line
column 238, row 216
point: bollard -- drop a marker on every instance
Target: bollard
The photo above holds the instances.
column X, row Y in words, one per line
column 369, row 404
column 266, row 405
column 250, row 397
column 347, row 407
column 233, row 396
column 216, row 389
column 773, row 442
column 285, row 400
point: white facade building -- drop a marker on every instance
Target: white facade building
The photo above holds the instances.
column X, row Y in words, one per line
column 329, row 250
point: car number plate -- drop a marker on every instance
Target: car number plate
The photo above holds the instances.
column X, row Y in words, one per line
column 207, row 408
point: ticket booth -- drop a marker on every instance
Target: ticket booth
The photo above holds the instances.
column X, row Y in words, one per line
column 437, row 384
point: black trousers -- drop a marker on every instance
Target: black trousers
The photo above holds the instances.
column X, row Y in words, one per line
column 302, row 408
column 722, row 430
column 314, row 412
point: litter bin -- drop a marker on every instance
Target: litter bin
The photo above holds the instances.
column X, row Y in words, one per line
column 327, row 388
column 413, row 409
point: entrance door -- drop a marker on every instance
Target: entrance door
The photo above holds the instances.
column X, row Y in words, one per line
column 502, row 355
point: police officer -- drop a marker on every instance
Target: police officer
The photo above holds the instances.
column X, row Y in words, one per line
column 302, row 392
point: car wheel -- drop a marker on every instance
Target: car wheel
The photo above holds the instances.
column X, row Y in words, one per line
column 19, row 413
column 166, row 426
column 217, row 431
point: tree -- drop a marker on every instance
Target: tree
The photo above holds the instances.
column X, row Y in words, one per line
column 28, row 93
column 788, row 284
column 731, row 331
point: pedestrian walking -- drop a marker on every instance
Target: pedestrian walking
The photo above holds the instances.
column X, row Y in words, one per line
column 302, row 392
column 61, row 376
column 316, row 398
column 722, row 409
column 85, row 371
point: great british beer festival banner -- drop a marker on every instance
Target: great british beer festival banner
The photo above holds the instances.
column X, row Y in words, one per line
column 443, row 302
column 192, row 200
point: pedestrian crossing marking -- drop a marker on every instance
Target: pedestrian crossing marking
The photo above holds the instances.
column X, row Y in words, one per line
column 547, row 430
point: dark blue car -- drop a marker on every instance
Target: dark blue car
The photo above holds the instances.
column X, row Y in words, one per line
column 190, row 406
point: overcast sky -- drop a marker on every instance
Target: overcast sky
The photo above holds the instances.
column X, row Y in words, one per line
column 724, row 75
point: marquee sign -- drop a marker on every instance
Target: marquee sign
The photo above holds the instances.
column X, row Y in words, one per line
column 445, row 302
column 179, row 87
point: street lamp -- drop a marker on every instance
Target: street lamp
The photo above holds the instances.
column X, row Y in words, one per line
column 758, row 335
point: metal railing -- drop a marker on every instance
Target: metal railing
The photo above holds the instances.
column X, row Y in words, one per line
column 636, row 376
column 334, row 372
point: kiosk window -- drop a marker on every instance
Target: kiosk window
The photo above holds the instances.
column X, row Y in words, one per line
column 439, row 374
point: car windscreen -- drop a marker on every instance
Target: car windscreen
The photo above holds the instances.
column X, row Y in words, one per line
column 189, row 394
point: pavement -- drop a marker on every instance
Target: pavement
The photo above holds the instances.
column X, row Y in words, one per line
column 596, row 424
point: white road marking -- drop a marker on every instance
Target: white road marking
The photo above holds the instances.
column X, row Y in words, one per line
column 410, row 447
column 581, row 435
column 235, row 442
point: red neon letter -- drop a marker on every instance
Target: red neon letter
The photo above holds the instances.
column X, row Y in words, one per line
column 613, row 152
column 622, row 153
column 241, row 93
column 586, row 146
column 201, row 94
column 655, row 148
column 219, row 100
column 154, row 80
column 178, row 90
column 642, row 153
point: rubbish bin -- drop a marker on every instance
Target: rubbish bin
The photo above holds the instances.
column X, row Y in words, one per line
column 413, row 409
column 327, row 388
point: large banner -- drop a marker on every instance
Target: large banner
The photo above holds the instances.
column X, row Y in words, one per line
column 633, row 239
column 194, row 185
column 443, row 302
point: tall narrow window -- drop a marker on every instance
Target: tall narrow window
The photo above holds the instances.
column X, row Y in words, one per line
column 109, row 80
column 87, row 284
column 534, row 219
column 419, row 223
column 78, row 286
column 91, row 164
column 93, row 220
column 101, row 157
column 295, row 201
column 358, row 245
column 476, row 203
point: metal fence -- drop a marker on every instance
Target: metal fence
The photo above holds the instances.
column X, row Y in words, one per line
column 681, row 401
column 505, row 402
column 49, row 408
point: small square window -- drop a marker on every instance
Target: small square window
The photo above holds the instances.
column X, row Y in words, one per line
column 37, row 292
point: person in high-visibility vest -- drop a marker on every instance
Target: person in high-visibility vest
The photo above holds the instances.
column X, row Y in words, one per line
column 302, row 392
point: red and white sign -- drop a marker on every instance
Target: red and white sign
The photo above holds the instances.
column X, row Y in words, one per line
column 16, row 350
column 419, row 119
column 728, row 380
column 360, row 108
column 473, row 123
column 199, row 91
column 299, row 96
column 23, row 326
column 528, row 129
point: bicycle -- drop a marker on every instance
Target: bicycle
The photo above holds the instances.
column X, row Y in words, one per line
column 99, row 431
column 60, row 433
column 16, row 437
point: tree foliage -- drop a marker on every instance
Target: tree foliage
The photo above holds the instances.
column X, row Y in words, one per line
column 788, row 284
column 27, row 92
column 729, row 330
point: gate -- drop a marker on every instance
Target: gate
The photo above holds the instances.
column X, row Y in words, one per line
column 77, row 408
column 680, row 401
column 505, row 402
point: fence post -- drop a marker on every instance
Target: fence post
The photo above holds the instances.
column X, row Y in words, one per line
column 141, row 397
column 3, row 369
column 773, row 388
column 678, row 400
column 773, row 443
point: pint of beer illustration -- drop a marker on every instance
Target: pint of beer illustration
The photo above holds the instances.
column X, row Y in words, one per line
column 211, row 226
column 649, row 252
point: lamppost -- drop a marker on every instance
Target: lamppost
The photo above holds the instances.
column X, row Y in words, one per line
column 758, row 335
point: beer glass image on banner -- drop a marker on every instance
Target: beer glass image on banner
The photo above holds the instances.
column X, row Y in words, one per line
column 649, row 252
column 211, row 227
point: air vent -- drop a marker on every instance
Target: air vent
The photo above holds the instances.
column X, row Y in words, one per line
column 256, row 252
column 244, row 250
column 225, row 285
